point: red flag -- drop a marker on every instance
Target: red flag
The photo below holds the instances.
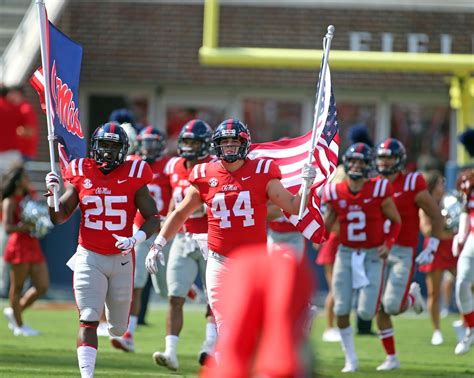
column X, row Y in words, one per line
column 292, row 154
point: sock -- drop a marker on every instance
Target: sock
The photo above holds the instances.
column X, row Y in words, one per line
column 86, row 356
column 411, row 300
column 132, row 324
column 347, row 342
column 211, row 333
column 171, row 343
column 469, row 319
column 388, row 341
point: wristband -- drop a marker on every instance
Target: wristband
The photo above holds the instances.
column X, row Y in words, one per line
column 160, row 240
column 50, row 201
column 433, row 244
column 139, row 236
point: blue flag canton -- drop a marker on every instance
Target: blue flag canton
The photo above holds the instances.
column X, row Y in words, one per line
column 331, row 127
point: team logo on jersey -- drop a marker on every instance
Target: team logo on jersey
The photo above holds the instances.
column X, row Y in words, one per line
column 343, row 203
column 174, row 177
column 87, row 183
column 213, row 182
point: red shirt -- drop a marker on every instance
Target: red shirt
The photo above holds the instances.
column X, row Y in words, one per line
column 107, row 202
column 178, row 176
column 28, row 145
column 236, row 202
column 159, row 188
column 360, row 216
column 405, row 187
column 10, row 117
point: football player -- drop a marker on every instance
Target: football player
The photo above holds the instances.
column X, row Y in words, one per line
column 464, row 242
column 150, row 147
column 185, row 257
column 108, row 190
column 410, row 195
column 360, row 204
column 235, row 190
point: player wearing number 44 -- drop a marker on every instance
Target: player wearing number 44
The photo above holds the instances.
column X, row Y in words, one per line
column 360, row 205
column 108, row 190
column 235, row 190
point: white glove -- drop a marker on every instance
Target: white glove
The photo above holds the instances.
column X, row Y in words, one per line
column 457, row 246
column 156, row 252
column 127, row 244
column 52, row 181
column 308, row 172
column 427, row 255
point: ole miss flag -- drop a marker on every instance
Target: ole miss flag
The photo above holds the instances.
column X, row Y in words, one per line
column 292, row 154
column 64, row 57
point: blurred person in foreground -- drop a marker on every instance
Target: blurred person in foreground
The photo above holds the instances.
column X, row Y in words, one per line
column 360, row 204
column 265, row 297
column 443, row 258
column 108, row 190
column 236, row 191
column 410, row 195
column 22, row 252
column 463, row 246
column 185, row 259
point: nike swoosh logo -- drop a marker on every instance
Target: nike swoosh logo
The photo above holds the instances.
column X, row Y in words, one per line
column 367, row 200
column 121, row 181
column 124, row 263
column 246, row 178
column 397, row 194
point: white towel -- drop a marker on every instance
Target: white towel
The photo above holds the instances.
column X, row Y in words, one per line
column 71, row 263
column 201, row 239
column 359, row 279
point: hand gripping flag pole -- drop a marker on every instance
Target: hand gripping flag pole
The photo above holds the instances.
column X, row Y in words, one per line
column 316, row 133
column 43, row 23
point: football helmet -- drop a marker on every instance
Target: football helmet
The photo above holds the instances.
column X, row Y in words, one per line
column 151, row 143
column 231, row 128
column 358, row 151
column 388, row 148
column 104, row 153
column 194, row 130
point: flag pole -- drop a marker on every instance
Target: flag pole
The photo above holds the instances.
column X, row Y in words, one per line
column 317, row 109
column 47, row 90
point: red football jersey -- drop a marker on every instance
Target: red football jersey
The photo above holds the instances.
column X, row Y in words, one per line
column 159, row 187
column 236, row 202
column 107, row 202
column 406, row 186
column 360, row 217
column 178, row 176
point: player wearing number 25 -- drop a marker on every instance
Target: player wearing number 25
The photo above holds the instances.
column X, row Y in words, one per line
column 108, row 190
column 361, row 205
column 236, row 190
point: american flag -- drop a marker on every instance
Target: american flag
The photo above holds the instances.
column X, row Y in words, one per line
column 292, row 154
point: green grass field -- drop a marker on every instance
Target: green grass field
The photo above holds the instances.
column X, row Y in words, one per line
column 53, row 352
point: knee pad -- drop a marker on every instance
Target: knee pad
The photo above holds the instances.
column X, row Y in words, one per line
column 365, row 315
column 89, row 315
column 464, row 296
column 391, row 307
column 117, row 331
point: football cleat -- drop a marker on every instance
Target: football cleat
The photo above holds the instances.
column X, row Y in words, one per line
column 24, row 330
column 8, row 313
column 390, row 363
column 465, row 344
column 124, row 343
column 419, row 303
column 437, row 338
column 331, row 335
column 350, row 367
column 167, row 360
column 207, row 350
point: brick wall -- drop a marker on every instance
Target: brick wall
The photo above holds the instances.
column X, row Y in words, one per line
column 145, row 43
